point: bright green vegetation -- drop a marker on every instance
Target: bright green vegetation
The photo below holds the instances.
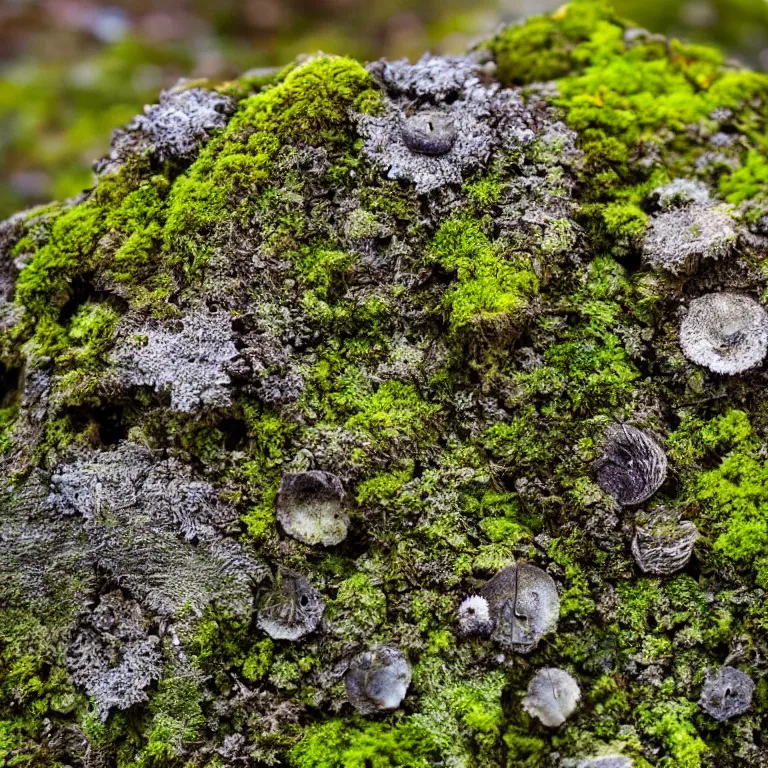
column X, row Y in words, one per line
column 458, row 369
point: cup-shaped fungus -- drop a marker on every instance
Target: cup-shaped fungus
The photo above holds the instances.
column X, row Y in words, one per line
column 310, row 508
column 663, row 543
column 633, row 465
column 377, row 680
column 524, row 606
column 429, row 132
column 727, row 693
column 725, row 332
column 552, row 696
column 291, row 610
column 475, row 616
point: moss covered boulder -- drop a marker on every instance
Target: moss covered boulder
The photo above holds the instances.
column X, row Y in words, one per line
column 325, row 350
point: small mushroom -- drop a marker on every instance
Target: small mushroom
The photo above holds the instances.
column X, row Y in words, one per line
column 310, row 508
column 663, row 543
column 475, row 616
column 633, row 465
column 727, row 693
column 377, row 680
column 429, row 133
column 524, row 606
column 291, row 610
column 552, row 696
column 725, row 332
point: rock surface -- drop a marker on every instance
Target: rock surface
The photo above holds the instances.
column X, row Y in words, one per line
column 268, row 280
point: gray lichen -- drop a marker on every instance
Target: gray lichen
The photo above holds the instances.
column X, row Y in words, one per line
column 552, row 696
column 175, row 128
column 310, row 508
column 663, row 543
column 727, row 693
column 113, row 656
column 377, row 680
column 725, row 332
column 633, row 465
column 291, row 609
column 679, row 193
column 186, row 358
column 524, row 606
column 475, row 116
column 678, row 240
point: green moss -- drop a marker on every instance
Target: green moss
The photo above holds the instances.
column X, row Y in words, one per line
column 494, row 286
column 671, row 723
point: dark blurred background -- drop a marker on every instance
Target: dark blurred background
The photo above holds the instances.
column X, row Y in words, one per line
column 71, row 70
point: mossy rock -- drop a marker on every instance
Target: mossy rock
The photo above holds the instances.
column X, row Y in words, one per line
column 267, row 279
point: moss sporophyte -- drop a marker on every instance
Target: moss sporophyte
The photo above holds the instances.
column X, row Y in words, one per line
column 364, row 416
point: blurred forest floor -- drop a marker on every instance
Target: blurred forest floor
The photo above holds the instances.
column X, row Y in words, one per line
column 72, row 70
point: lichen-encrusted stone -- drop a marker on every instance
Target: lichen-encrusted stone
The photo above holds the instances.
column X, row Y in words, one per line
column 633, row 465
column 377, row 680
column 726, row 693
column 113, row 656
column 663, row 543
column 725, row 332
column 679, row 193
column 552, row 696
column 175, row 128
column 310, row 508
column 678, row 240
column 524, row 606
column 291, row 609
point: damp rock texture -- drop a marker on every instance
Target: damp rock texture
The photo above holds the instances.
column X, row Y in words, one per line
column 725, row 332
column 552, row 696
column 633, row 465
column 524, row 606
column 726, row 693
column 350, row 396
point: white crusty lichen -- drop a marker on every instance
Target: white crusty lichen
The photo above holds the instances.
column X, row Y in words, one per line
column 310, row 508
column 725, row 332
column 633, row 465
column 552, row 696
column 475, row 616
column 186, row 358
column 377, row 680
column 678, row 239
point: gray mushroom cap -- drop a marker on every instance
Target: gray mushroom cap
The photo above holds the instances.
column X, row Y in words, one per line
column 633, row 465
column 663, row 543
column 524, row 606
column 291, row 610
column 727, row 693
column 310, row 508
column 725, row 332
column 552, row 696
column 377, row 680
column 429, row 132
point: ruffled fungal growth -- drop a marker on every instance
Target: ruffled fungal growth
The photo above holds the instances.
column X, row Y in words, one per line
column 443, row 118
column 377, row 680
column 291, row 610
column 725, row 332
column 475, row 616
column 310, row 508
column 663, row 543
column 113, row 656
column 177, row 127
column 552, row 696
column 633, row 465
column 727, row 693
column 679, row 239
column 524, row 606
